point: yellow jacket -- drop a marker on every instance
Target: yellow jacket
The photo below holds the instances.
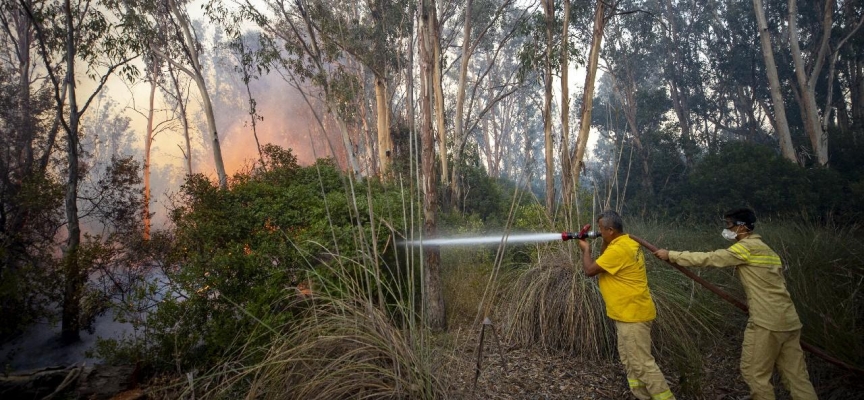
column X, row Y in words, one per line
column 761, row 272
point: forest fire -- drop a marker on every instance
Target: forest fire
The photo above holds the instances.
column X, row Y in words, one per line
column 221, row 186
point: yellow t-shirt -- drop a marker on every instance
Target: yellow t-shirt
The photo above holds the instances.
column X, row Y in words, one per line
column 624, row 283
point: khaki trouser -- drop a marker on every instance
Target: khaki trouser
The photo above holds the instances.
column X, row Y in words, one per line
column 764, row 349
column 644, row 376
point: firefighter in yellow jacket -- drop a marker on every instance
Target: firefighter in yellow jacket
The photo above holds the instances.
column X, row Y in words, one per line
column 772, row 336
column 620, row 271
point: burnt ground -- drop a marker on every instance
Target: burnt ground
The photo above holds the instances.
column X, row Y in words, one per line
column 530, row 374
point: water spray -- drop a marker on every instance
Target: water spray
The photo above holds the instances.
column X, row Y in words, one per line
column 584, row 233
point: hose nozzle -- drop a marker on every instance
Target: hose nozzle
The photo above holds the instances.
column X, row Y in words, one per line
column 583, row 233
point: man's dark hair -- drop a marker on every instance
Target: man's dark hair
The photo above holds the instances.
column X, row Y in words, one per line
column 742, row 216
column 612, row 220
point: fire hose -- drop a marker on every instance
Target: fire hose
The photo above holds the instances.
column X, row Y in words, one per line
column 738, row 303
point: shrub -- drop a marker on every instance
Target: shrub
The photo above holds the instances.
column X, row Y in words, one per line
column 237, row 256
column 743, row 174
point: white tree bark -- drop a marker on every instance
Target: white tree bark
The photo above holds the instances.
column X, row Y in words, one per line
column 549, row 12
column 780, row 122
column 588, row 94
column 807, row 85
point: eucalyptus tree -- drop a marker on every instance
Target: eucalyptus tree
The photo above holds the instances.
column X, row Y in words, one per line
column 177, row 97
column 685, row 24
column 633, row 70
column 169, row 32
column 249, row 68
column 847, row 63
column 30, row 187
column 549, row 28
column 807, row 75
column 493, row 77
column 542, row 54
column 154, row 73
column 741, row 105
column 80, row 33
column 780, row 122
column 849, row 29
column 27, row 127
column 566, row 168
column 319, row 41
column 498, row 115
column 433, row 298
column 811, row 46
column 599, row 27
column 379, row 28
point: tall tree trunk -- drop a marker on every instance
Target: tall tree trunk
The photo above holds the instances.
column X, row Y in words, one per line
column 780, row 121
column 807, row 86
column 20, row 148
column 856, row 89
column 843, row 113
column 372, row 168
column 433, row 300
column 832, row 66
column 458, row 128
column 528, row 155
column 198, row 76
column 184, row 118
column 148, row 145
column 549, row 11
column 211, row 126
column 385, row 141
column 440, row 126
column 74, row 279
column 26, row 118
column 409, row 89
column 566, row 167
column 588, row 94
column 253, row 105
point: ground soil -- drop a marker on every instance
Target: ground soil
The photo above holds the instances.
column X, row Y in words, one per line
column 526, row 373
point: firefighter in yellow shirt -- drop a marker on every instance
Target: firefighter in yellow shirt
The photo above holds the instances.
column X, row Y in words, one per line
column 773, row 333
column 623, row 284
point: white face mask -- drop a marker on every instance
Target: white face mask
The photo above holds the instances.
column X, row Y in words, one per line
column 729, row 234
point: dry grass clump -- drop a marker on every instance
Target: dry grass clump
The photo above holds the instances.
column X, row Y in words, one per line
column 558, row 309
column 341, row 349
column 555, row 307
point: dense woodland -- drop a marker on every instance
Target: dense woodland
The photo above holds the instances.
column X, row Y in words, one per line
column 423, row 118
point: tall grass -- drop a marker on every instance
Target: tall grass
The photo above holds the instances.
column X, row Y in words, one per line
column 825, row 276
column 340, row 348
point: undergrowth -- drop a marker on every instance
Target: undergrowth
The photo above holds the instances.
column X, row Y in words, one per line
column 295, row 284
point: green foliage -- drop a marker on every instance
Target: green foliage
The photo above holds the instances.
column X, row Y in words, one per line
column 742, row 174
column 31, row 217
column 484, row 196
column 237, row 256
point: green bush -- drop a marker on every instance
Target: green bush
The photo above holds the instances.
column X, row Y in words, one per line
column 743, row 174
column 31, row 212
column 238, row 255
